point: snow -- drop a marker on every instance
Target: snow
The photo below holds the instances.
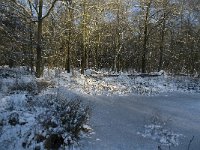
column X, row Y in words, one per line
column 109, row 83
column 127, row 122
column 19, row 94
column 161, row 135
column 20, row 98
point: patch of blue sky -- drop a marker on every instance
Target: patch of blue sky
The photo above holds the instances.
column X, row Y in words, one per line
column 109, row 16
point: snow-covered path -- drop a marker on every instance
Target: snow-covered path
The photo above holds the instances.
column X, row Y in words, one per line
column 117, row 120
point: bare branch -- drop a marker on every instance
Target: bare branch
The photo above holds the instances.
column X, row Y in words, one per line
column 21, row 6
column 48, row 12
column 32, row 6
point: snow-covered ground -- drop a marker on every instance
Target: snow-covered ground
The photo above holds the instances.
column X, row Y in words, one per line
column 103, row 83
column 144, row 123
column 33, row 112
column 122, row 104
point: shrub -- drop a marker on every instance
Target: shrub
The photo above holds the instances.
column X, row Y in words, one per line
column 13, row 119
column 54, row 141
column 63, row 122
column 42, row 85
column 29, row 87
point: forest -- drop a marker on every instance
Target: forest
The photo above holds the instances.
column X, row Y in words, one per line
column 117, row 35
column 99, row 74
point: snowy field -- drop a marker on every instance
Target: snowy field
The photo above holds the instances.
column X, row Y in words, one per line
column 123, row 109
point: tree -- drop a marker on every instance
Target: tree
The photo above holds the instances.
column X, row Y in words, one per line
column 69, row 40
column 142, row 35
column 38, row 6
column 145, row 34
column 14, row 29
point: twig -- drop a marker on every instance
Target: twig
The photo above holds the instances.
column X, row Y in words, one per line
column 190, row 142
column 159, row 147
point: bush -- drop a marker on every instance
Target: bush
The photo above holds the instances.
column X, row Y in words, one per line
column 13, row 119
column 54, row 141
column 29, row 87
column 43, row 84
column 63, row 122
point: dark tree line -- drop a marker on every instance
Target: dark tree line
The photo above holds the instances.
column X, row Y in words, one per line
column 141, row 35
column 14, row 29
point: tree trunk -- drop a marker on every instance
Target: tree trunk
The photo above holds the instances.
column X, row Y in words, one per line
column 31, row 56
column 83, row 59
column 83, row 48
column 118, row 41
column 145, row 39
column 67, row 65
column 162, row 43
column 39, row 70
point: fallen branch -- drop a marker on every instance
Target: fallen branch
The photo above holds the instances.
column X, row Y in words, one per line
column 190, row 143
